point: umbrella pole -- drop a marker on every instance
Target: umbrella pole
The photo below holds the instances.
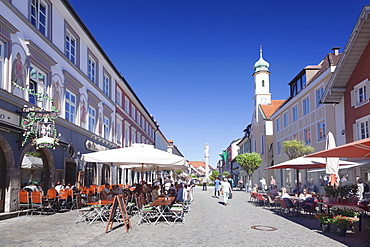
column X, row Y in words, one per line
column 297, row 181
column 142, row 172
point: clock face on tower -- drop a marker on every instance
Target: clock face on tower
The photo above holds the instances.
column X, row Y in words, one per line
column 263, row 100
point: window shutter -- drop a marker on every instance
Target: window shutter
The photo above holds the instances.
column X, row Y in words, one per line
column 367, row 90
column 353, row 98
column 355, row 132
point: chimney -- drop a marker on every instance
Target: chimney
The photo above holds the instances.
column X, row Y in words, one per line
column 336, row 50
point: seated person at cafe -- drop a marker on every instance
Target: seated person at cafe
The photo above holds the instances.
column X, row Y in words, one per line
column 255, row 189
column 116, row 190
column 274, row 191
column 31, row 187
column 180, row 193
column 305, row 195
column 155, row 193
column 284, row 193
column 106, row 193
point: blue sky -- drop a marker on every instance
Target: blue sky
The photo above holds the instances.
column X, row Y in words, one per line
column 191, row 61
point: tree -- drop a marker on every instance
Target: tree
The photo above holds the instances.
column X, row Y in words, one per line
column 225, row 174
column 213, row 175
column 249, row 162
column 295, row 149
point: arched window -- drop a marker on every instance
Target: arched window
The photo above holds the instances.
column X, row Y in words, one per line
column 263, row 83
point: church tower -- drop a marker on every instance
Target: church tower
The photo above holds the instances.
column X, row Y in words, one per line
column 261, row 83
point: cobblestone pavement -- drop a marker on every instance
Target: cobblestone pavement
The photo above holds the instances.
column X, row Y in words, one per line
column 208, row 224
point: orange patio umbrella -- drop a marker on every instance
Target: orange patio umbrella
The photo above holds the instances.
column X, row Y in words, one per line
column 356, row 149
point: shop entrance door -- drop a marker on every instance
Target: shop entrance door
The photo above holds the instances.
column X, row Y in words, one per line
column 71, row 173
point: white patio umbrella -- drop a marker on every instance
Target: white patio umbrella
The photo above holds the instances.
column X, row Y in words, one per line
column 31, row 162
column 332, row 164
column 139, row 156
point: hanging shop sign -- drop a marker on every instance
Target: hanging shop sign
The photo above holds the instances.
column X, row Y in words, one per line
column 41, row 125
column 92, row 146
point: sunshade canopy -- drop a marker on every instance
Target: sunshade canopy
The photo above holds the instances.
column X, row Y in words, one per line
column 357, row 149
column 31, row 162
column 138, row 157
column 305, row 162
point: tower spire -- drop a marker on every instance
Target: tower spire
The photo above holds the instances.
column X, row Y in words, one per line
column 260, row 51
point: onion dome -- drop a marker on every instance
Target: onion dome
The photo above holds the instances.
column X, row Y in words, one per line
column 261, row 64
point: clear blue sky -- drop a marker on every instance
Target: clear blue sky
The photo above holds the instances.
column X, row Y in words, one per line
column 191, row 61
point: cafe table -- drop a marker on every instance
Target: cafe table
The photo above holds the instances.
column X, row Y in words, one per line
column 162, row 204
column 100, row 208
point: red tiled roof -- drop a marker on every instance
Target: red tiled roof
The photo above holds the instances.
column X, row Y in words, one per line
column 197, row 164
column 268, row 110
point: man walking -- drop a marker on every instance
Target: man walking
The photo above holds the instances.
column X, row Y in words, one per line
column 204, row 181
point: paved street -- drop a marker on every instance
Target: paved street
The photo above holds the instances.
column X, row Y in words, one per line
column 208, row 224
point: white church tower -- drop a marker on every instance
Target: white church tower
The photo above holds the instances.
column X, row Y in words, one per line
column 261, row 83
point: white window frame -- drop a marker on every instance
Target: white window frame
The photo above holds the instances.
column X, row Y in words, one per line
column 91, row 68
column 37, row 15
column 319, row 94
column 307, row 136
column 321, row 135
column 127, row 135
column 92, row 119
column 278, row 148
column 119, row 96
column 71, row 46
column 39, row 86
column 306, row 106
column 278, row 125
column 127, row 105
column 106, row 84
column 133, row 136
column 70, row 106
column 360, row 94
column 2, row 59
column 363, row 128
column 285, row 119
column 294, row 113
column 133, row 112
column 119, row 131
column 106, row 128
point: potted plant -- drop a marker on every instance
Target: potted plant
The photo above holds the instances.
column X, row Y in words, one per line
column 349, row 211
column 343, row 223
column 325, row 221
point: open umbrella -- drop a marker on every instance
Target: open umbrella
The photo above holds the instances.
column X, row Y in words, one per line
column 305, row 162
column 356, row 149
column 138, row 156
column 31, row 162
column 332, row 164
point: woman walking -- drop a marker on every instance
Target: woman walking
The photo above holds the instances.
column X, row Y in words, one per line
column 217, row 187
column 226, row 189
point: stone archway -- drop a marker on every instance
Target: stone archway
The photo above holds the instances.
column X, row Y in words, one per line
column 11, row 183
column 48, row 176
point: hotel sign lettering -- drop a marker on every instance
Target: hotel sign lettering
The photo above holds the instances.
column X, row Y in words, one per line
column 9, row 117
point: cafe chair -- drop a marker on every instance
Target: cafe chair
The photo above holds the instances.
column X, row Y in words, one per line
column 287, row 208
column 63, row 199
column 36, row 202
column 178, row 213
column 24, row 201
column 146, row 214
column 84, row 215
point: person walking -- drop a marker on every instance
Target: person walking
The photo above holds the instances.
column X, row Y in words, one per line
column 204, row 181
column 263, row 183
column 226, row 190
column 217, row 187
column 272, row 182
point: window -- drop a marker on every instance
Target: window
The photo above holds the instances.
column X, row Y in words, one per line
column 119, row 96
column 133, row 112
column 71, row 46
column 91, row 69
column 2, row 58
column 127, row 135
column 295, row 136
column 359, row 94
column 285, row 119
column 106, row 127
column 363, row 129
column 262, row 144
column 92, row 119
column 133, row 136
column 278, row 147
column 278, row 126
column 39, row 15
column 321, row 131
column 37, row 86
column 307, row 136
column 106, row 84
column 119, row 131
column 138, row 118
column 319, row 94
column 70, row 107
column 295, row 113
column 127, row 105
column 306, row 106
